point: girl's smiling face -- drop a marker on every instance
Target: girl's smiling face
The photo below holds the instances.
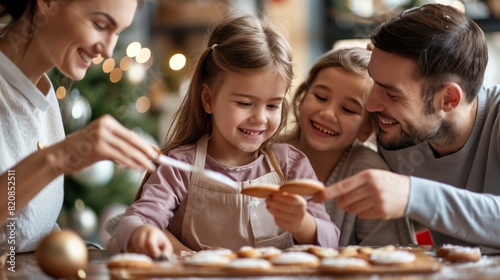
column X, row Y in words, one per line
column 332, row 113
column 246, row 111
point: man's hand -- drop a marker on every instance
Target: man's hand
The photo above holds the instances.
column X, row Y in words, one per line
column 370, row 194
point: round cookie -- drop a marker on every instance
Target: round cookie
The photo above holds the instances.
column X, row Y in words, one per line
column 296, row 259
column 303, row 187
column 322, row 252
column 444, row 250
column 392, row 257
column 268, row 253
column 227, row 253
column 130, row 260
column 207, row 259
column 464, row 254
column 349, row 251
column 300, row 248
column 260, row 252
column 248, row 252
column 364, row 252
column 260, row 191
column 343, row 264
column 248, row 265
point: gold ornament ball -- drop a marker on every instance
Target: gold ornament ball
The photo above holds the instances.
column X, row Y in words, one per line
column 61, row 254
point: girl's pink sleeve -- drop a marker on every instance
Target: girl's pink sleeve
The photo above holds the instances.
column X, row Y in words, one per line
column 163, row 192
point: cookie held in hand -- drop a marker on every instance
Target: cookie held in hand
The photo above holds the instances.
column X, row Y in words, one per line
column 261, row 190
column 305, row 187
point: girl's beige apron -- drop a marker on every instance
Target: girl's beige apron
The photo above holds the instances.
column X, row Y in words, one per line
column 219, row 216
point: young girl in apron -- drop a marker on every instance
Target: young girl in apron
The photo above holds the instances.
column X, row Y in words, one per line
column 234, row 109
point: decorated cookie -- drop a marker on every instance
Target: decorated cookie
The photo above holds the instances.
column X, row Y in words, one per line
column 464, row 254
column 130, row 260
column 207, row 259
column 249, row 265
column 392, row 257
column 322, row 252
column 260, row 252
column 343, row 264
column 296, row 259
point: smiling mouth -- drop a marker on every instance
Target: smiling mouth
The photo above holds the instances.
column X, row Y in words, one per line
column 85, row 57
column 251, row 133
column 324, row 130
column 386, row 122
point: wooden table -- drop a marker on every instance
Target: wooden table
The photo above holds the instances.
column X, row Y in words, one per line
column 487, row 268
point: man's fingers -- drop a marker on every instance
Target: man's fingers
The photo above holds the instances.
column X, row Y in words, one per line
column 337, row 190
column 356, row 199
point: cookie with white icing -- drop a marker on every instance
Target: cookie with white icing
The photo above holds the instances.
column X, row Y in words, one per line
column 322, row 252
column 130, row 260
column 249, row 265
column 221, row 252
column 444, row 250
column 259, row 252
column 296, row 259
column 392, row 257
column 343, row 264
column 464, row 254
column 207, row 259
column 349, row 251
column 300, row 248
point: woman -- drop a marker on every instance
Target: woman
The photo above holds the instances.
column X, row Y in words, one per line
column 40, row 35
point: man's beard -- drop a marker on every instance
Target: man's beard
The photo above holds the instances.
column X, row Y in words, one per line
column 441, row 131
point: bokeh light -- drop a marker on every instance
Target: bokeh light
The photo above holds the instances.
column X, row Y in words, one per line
column 133, row 49
column 136, row 73
column 142, row 104
column 97, row 60
column 126, row 63
column 108, row 65
column 177, row 61
column 116, row 75
column 61, row 92
column 143, row 55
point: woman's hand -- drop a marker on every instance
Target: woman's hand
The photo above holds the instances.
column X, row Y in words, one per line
column 103, row 139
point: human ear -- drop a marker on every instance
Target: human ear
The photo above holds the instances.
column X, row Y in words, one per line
column 206, row 99
column 48, row 7
column 366, row 128
column 449, row 97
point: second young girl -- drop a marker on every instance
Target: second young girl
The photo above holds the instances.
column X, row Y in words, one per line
column 329, row 107
column 234, row 109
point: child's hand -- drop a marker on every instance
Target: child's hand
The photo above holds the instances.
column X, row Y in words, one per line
column 290, row 214
column 289, row 211
column 149, row 240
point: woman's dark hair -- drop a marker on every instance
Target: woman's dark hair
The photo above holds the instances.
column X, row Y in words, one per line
column 446, row 44
column 16, row 9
